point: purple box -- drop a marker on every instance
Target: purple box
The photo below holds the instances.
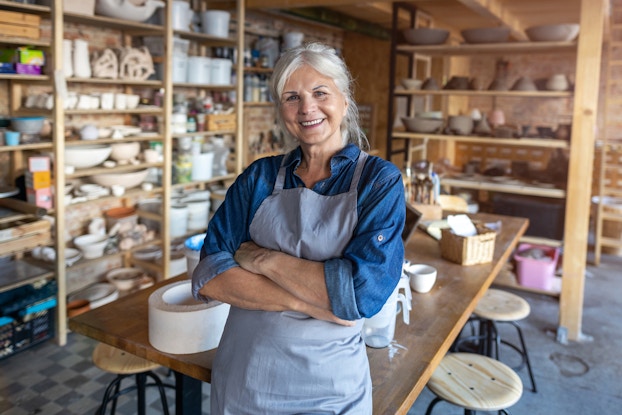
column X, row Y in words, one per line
column 25, row 69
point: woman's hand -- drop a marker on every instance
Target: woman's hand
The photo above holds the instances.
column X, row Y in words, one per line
column 250, row 255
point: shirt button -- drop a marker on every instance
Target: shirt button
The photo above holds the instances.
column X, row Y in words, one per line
column 380, row 238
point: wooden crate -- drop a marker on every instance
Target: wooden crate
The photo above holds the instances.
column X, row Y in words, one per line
column 19, row 24
column 220, row 122
column 24, row 234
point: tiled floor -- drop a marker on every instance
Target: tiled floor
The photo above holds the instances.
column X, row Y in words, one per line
column 576, row 378
column 51, row 380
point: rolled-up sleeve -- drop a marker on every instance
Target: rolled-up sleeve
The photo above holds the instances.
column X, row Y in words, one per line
column 359, row 283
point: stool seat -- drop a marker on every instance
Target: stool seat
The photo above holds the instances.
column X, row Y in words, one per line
column 501, row 305
column 475, row 382
column 113, row 360
column 126, row 365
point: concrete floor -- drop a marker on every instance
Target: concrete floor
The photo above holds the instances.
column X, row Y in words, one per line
column 578, row 377
column 575, row 378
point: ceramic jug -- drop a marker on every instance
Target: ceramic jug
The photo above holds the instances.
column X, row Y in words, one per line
column 221, row 152
column 378, row 330
column 81, row 61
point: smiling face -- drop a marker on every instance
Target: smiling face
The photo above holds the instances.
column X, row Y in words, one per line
column 312, row 108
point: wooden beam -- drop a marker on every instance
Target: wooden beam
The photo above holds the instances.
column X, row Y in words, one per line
column 584, row 123
column 295, row 4
column 497, row 11
column 340, row 20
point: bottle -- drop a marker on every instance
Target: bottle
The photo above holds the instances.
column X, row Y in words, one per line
column 183, row 160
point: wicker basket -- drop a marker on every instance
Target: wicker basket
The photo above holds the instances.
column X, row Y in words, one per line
column 471, row 250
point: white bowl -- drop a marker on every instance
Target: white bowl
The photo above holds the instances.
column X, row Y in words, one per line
column 411, row 83
column 83, row 157
column 125, row 278
column 129, row 180
column 127, row 10
column 553, row 32
column 91, row 245
column 124, row 151
column 422, row 125
column 426, row 36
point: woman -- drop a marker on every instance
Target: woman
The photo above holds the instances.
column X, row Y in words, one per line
column 303, row 247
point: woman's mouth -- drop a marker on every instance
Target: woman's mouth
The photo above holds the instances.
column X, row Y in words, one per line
column 311, row 123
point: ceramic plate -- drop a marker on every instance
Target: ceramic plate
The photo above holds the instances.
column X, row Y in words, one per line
column 97, row 294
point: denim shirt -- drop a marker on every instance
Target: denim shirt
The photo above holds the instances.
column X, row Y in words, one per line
column 360, row 281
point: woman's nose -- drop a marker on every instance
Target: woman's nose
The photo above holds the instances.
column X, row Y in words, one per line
column 306, row 105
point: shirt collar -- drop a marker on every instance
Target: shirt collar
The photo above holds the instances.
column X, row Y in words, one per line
column 350, row 151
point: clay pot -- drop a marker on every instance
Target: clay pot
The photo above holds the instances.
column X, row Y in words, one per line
column 77, row 307
column 563, row 132
column 460, row 124
column 482, row 127
column 497, row 117
column 429, row 85
column 458, row 83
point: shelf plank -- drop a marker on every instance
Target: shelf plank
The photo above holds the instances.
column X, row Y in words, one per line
column 208, row 181
column 25, row 78
column 531, row 142
column 204, row 86
column 140, row 110
column 487, row 93
column 43, row 145
column 203, row 133
column 22, row 41
column 25, row 8
column 113, row 23
column 106, row 81
column 107, row 170
column 490, row 48
column 521, row 189
column 146, row 137
column 18, row 273
column 207, row 39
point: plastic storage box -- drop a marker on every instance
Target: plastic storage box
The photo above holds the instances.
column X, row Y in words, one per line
column 536, row 272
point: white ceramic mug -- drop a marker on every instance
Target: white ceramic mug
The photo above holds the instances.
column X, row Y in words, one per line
column 107, row 100
column 422, row 277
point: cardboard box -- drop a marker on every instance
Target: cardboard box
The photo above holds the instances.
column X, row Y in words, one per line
column 38, row 163
column 37, row 180
column 18, row 24
column 40, row 197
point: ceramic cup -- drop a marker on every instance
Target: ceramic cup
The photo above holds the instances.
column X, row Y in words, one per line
column 422, row 277
column 11, row 138
column 120, row 101
column 107, row 100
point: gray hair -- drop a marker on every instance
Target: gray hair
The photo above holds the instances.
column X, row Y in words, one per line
column 325, row 60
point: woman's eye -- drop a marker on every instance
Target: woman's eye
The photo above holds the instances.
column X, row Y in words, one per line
column 292, row 98
column 320, row 94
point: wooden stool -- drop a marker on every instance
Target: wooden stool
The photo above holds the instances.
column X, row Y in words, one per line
column 498, row 306
column 475, row 383
column 113, row 360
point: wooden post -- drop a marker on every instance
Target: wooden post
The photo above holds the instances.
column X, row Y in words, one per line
column 579, row 188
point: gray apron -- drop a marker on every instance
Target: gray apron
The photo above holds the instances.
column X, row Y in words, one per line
column 287, row 362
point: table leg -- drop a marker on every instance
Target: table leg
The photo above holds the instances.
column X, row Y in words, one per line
column 188, row 395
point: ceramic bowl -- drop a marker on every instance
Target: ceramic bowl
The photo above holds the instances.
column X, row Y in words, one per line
column 129, row 179
column 425, row 36
column 125, row 150
column 83, row 157
column 91, row 245
column 553, row 32
column 486, row 35
column 429, row 85
column 460, row 124
column 524, row 83
column 430, row 114
column 126, row 216
column 422, row 125
column 125, row 278
column 557, row 82
column 27, row 125
column 411, row 83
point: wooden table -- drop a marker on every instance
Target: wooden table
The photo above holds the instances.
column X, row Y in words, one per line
column 399, row 372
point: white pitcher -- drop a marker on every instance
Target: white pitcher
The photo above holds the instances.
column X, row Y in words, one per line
column 378, row 330
column 68, row 58
column 81, row 60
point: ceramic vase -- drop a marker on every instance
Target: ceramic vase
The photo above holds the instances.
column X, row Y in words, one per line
column 81, row 61
column 68, row 58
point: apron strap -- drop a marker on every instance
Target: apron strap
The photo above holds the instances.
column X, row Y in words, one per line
column 359, row 169
column 280, row 178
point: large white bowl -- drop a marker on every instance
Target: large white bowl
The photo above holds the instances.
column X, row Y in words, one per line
column 553, row 32
column 128, row 179
column 83, row 157
column 91, row 245
column 125, row 9
column 125, row 151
